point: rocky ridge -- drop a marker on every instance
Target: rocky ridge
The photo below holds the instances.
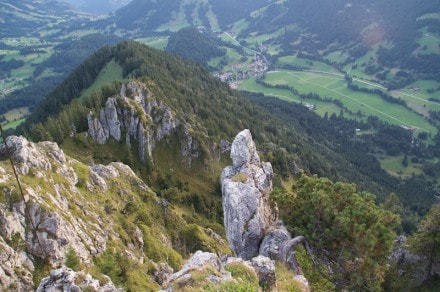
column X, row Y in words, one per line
column 69, row 206
column 136, row 115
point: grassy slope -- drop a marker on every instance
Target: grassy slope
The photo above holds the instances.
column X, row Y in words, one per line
column 110, row 73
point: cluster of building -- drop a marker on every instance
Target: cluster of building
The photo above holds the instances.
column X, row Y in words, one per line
column 236, row 72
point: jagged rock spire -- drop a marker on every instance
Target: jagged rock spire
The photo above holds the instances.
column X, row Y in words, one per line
column 246, row 187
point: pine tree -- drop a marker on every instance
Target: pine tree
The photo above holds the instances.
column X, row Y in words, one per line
column 346, row 229
column 426, row 242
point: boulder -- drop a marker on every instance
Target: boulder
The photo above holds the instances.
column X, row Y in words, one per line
column 65, row 279
column 265, row 269
column 201, row 263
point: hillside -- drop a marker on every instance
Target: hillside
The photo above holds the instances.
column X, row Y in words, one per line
column 212, row 113
column 23, row 17
column 98, row 7
column 172, row 124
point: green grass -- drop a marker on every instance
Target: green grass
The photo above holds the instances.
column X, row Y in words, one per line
column 13, row 124
column 394, row 166
column 322, row 107
column 429, row 42
column 16, row 114
column 238, row 26
column 155, row 42
column 337, row 57
column 313, row 65
column 335, row 87
column 110, row 73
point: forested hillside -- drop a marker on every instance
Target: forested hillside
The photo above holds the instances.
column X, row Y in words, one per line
column 198, row 46
column 316, row 145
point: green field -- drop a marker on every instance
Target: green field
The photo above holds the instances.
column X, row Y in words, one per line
column 110, row 73
column 14, row 124
column 335, row 87
column 429, row 42
column 322, row 107
column 295, row 61
column 154, row 42
column 394, row 166
column 337, row 57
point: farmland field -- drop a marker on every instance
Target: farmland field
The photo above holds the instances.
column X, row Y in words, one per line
column 334, row 86
column 154, row 42
column 394, row 166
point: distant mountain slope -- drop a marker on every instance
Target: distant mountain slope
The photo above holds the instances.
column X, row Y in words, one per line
column 20, row 17
column 389, row 30
column 150, row 16
column 97, row 6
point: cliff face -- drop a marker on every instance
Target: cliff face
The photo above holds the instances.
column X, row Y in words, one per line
column 85, row 210
column 136, row 115
column 43, row 225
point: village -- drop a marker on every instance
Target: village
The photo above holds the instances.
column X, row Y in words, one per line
column 237, row 72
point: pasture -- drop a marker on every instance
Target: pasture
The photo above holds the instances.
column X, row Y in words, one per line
column 308, row 64
column 335, row 87
column 159, row 42
column 109, row 74
column 394, row 166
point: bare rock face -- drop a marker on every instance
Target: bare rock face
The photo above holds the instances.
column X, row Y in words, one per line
column 12, row 279
column 65, row 279
column 252, row 228
column 54, row 215
column 273, row 241
column 144, row 118
column 246, row 187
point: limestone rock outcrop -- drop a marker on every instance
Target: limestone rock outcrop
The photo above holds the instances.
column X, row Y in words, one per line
column 143, row 118
column 53, row 215
column 252, row 227
column 205, row 263
column 246, row 187
column 65, row 279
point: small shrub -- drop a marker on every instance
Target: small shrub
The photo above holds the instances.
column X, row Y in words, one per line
column 242, row 273
column 240, row 177
column 72, row 260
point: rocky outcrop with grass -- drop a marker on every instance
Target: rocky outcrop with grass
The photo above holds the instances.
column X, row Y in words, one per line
column 137, row 116
column 102, row 218
column 65, row 279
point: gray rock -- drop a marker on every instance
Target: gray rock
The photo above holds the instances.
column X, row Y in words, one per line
column 28, row 155
column 206, row 262
column 245, row 193
column 15, row 269
column 65, row 279
column 142, row 117
column 265, row 269
column 272, row 242
column 163, row 273
column 243, row 150
column 225, row 146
